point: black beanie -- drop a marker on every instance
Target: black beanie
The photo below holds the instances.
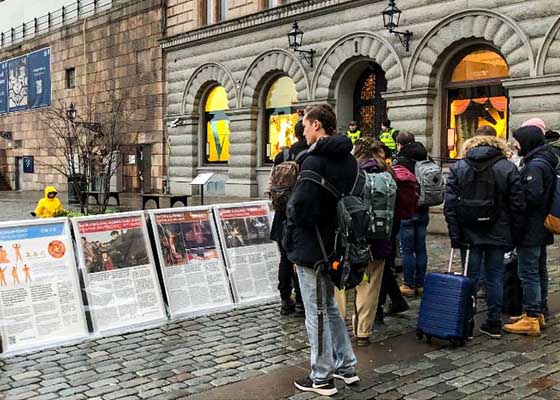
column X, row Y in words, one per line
column 529, row 138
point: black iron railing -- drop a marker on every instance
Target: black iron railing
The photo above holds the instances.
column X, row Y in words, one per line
column 63, row 16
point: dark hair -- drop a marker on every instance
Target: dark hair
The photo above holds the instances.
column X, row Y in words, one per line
column 387, row 123
column 298, row 130
column 114, row 232
column 368, row 148
column 353, row 123
column 551, row 136
column 324, row 114
column 485, row 130
column 405, row 138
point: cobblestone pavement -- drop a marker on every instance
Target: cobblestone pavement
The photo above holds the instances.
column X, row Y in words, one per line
column 197, row 355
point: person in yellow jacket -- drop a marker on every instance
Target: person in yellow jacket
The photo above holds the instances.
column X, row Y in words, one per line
column 353, row 133
column 49, row 205
column 387, row 135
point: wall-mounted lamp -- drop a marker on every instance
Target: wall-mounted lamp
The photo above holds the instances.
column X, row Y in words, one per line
column 72, row 114
column 6, row 135
column 295, row 39
column 391, row 18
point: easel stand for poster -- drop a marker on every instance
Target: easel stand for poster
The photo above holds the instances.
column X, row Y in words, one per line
column 201, row 180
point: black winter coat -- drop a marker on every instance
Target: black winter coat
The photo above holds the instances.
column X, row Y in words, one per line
column 277, row 229
column 311, row 204
column 538, row 177
column 509, row 223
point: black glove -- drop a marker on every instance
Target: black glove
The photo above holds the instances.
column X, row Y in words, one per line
column 33, row 214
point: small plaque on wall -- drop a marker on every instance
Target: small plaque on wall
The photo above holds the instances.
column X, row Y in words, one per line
column 28, row 164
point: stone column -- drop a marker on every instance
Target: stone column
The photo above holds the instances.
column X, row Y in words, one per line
column 183, row 153
column 242, row 177
column 413, row 111
column 534, row 98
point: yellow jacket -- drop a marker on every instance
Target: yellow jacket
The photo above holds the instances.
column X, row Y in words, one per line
column 47, row 208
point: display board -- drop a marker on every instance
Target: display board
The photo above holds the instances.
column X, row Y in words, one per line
column 251, row 257
column 40, row 300
column 190, row 257
column 25, row 82
column 120, row 277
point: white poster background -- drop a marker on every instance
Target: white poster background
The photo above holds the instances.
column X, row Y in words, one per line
column 251, row 257
column 191, row 262
column 120, row 280
column 40, row 299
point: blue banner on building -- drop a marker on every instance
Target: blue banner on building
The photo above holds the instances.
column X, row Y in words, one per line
column 25, row 82
column 17, row 84
column 3, row 88
column 39, row 79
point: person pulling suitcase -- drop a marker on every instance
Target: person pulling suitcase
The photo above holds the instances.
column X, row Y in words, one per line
column 484, row 209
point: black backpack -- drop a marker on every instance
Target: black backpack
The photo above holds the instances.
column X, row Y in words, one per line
column 479, row 197
column 353, row 226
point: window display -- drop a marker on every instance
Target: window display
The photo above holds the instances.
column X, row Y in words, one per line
column 217, row 126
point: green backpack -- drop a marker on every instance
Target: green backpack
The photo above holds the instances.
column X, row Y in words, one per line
column 380, row 194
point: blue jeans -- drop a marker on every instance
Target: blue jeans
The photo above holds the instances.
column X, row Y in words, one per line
column 413, row 249
column 337, row 354
column 492, row 258
column 534, row 278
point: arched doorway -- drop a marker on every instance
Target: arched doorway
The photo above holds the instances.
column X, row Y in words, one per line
column 475, row 97
column 370, row 110
column 358, row 96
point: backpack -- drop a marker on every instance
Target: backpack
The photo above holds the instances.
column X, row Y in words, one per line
column 407, row 193
column 353, row 225
column 552, row 221
column 282, row 181
column 380, row 194
column 432, row 186
column 479, row 201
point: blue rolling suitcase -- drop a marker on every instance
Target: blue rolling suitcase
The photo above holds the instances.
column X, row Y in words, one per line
column 448, row 306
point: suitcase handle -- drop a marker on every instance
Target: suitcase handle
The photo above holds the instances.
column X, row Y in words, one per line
column 466, row 268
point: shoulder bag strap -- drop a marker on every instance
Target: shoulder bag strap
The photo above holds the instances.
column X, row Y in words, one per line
column 308, row 175
column 319, row 294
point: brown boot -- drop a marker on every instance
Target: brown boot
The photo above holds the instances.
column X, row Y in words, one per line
column 525, row 326
column 542, row 322
column 514, row 319
column 407, row 291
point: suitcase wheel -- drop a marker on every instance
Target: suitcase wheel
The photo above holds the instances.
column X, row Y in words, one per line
column 419, row 334
column 428, row 339
column 456, row 343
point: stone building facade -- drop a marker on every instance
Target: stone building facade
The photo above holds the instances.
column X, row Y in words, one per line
column 116, row 47
column 471, row 63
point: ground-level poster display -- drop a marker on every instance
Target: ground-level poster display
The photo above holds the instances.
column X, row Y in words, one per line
column 119, row 272
column 40, row 299
column 190, row 257
column 251, row 257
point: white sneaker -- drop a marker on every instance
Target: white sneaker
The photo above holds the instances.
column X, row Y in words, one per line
column 348, row 379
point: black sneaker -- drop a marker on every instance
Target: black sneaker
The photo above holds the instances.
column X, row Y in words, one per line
column 348, row 379
column 300, row 310
column 397, row 308
column 379, row 317
column 287, row 307
column 322, row 388
column 492, row 330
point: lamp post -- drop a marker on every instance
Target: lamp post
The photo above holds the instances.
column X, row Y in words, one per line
column 391, row 19
column 295, row 40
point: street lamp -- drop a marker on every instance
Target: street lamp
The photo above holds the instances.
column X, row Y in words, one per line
column 71, row 112
column 295, row 40
column 391, row 19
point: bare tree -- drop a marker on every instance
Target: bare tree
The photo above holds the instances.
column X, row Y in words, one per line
column 87, row 143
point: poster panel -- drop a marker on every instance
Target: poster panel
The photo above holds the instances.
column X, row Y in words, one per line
column 40, row 299
column 39, row 79
column 3, row 88
column 17, row 84
column 190, row 257
column 120, row 278
column 251, row 257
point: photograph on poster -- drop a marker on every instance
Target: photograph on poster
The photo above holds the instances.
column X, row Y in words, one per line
column 185, row 237
column 112, row 244
column 248, row 231
column 17, row 83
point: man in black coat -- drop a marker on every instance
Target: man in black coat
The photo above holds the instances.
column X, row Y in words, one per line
column 488, row 238
column 310, row 207
column 538, row 177
column 286, row 273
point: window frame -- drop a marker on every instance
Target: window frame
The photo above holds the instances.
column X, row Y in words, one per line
column 205, row 119
column 70, row 77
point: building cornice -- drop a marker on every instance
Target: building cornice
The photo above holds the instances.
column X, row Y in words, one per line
column 270, row 17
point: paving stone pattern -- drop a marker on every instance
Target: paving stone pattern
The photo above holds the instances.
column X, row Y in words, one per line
column 196, row 355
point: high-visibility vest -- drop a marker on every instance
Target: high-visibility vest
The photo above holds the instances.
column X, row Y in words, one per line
column 387, row 139
column 353, row 135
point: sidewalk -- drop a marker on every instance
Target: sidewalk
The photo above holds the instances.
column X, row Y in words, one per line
column 254, row 353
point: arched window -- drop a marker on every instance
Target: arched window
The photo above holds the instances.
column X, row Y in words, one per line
column 217, row 126
column 476, row 97
column 281, row 117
